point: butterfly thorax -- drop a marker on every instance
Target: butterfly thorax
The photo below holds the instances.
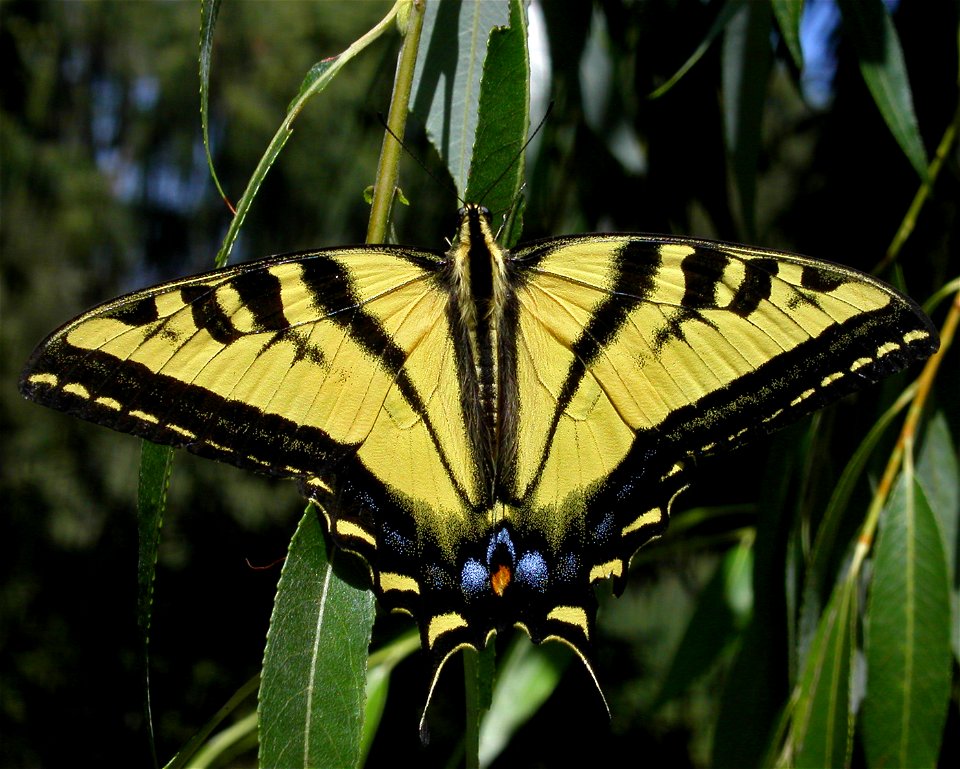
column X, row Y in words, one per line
column 478, row 304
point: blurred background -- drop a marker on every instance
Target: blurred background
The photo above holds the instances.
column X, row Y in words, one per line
column 104, row 188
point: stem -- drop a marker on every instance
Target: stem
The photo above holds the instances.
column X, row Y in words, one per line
column 910, row 218
column 388, row 169
column 328, row 69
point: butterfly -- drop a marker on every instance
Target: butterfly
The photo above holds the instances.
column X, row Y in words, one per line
column 493, row 432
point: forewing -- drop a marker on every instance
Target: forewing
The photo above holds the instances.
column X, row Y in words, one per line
column 637, row 353
column 287, row 366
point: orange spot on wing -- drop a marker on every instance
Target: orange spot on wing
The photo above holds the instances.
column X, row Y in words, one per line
column 500, row 579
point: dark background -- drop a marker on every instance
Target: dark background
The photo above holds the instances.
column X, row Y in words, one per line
column 105, row 189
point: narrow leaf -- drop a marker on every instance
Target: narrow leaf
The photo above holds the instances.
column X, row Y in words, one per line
column 379, row 667
column 939, row 474
column 208, row 21
column 821, row 730
column 528, row 676
column 723, row 609
column 756, row 684
column 156, row 463
column 747, row 59
column 447, row 78
column 885, row 73
column 318, row 77
column 828, row 547
column 908, row 634
column 723, row 18
column 788, row 13
column 496, row 169
column 314, row 669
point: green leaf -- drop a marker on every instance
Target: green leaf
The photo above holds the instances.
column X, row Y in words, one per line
column 821, row 728
column 314, row 668
column 496, row 168
column 448, row 74
column 907, row 634
column 318, row 77
column 723, row 609
column 379, row 667
column 788, row 13
column 527, row 678
column 203, row 750
column 312, row 80
column 747, row 59
column 938, row 472
column 723, row 18
column 756, row 684
column 156, row 463
column 828, row 549
column 208, row 21
column 885, row 73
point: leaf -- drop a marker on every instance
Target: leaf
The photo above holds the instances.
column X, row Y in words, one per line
column 756, row 687
column 885, row 73
column 208, row 22
column 723, row 18
column 821, row 726
column 746, row 64
column 788, row 13
column 528, row 676
column 828, row 547
column 318, row 77
column 907, row 634
column 724, row 607
column 447, row 77
column 379, row 667
column 156, row 463
column 202, row 749
column 314, row 669
column 496, row 169
column 938, row 472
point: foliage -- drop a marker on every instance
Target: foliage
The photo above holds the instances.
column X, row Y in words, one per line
column 804, row 598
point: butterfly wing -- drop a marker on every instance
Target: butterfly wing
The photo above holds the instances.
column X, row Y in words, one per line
column 290, row 366
column 635, row 355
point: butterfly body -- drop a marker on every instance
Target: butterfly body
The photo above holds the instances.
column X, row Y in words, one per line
column 493, row 432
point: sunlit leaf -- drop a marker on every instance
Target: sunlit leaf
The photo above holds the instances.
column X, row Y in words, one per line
column 496, row 170
column 447, row 79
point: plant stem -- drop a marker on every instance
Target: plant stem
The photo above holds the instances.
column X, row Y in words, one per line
column 388, row 169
